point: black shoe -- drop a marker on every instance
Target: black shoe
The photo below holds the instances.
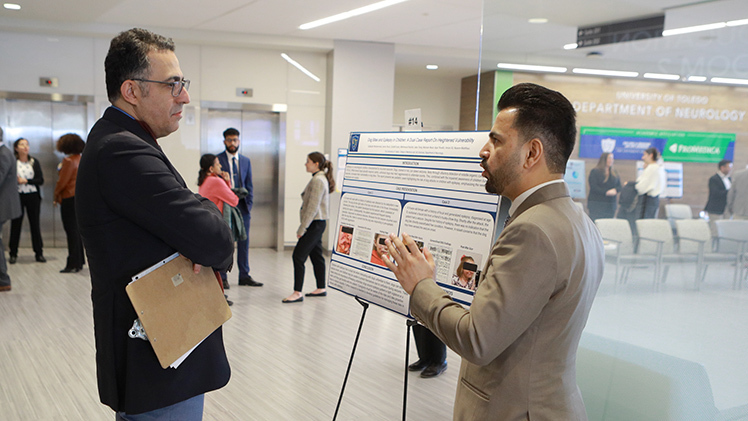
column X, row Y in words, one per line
column 70, row 270
column 418, row 365
column 12, row 259
column 249, row 282
column 226, row 284
column 434, row 370
column 229, row 302
column 40, row 258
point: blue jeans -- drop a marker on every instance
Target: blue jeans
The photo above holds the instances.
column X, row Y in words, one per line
column 189, row 410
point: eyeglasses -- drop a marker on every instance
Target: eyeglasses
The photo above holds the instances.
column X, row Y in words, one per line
column 176, row 86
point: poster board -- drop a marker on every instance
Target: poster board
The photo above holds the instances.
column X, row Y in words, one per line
column 427, row 184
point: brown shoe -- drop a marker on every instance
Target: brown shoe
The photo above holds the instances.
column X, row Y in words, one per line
column 4, row 288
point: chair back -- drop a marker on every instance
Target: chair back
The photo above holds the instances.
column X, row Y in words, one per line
column 655, row 229
column 697, row 229
column 675, row 211
column 617, row 230
column 734, row 229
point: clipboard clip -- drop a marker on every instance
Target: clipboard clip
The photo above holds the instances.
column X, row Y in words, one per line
column 137, row 331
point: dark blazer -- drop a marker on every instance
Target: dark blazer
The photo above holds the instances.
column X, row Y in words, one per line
column 245, row 176
column 717, row 195
column 519, row 339
column 10, row 202
column 598, row 204
column 134, row 209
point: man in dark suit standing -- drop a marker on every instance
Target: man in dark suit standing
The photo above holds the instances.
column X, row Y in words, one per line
column 719, row 184
column 10, row 202
column 519, row 338
column 134, row 209
column 240, row 174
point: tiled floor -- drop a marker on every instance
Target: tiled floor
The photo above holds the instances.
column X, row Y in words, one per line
column 289, row 360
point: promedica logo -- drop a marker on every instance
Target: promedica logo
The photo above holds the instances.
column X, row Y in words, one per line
column 700, row 149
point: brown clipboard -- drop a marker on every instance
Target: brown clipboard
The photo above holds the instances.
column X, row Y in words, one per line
column 177, row 308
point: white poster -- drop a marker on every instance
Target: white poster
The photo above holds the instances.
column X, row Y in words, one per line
column 426, row 184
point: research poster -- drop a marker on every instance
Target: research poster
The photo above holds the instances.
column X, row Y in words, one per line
column 426, row 184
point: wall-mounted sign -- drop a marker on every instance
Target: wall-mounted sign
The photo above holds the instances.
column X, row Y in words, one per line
column 575, row 178
column 678, row 146
column 612, row 33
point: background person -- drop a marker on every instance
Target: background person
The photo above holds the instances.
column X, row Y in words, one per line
column 134, row 209
column 240, row 175
column 737, row 196
column 650, row 184
column 30, row 180
column 519, row 338
column 315, row 200
column 213, row 185
column 71, row 145
column 10, row 203
column 604, row 187
column 719, row 184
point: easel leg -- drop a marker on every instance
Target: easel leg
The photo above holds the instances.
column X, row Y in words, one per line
column 365, row 305
column 410, row 323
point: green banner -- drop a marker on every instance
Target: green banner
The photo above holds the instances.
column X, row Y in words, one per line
column 698, row 147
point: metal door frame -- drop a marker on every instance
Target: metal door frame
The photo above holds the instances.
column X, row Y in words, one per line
column 279, row 109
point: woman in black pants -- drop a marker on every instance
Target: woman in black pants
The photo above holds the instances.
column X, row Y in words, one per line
column 71, row 145
column 314, row 203
column 30, row 179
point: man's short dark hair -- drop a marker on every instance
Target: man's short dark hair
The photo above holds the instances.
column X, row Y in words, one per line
column 230, row 132
column 546, row 115
column 724, row 162
column 128, row 57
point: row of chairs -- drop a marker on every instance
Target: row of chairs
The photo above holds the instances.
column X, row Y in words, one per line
column 659, row 248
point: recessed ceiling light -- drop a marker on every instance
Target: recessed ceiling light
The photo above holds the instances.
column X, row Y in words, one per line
column 737, row 22
column 729, row 81
column 303, row 69
column 12, row 6
column 696, row 79
column 690, row 29
column 350, row 13
column 661, row 76
column 531, row 68
column 571, row 46
column 432, row 66
column 599, row 72
column 538, row 20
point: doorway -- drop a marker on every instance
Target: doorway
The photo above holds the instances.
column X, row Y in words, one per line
column 262, row 137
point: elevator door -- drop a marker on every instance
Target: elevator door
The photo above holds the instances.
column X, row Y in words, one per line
column 42, row 123
column 260, row 142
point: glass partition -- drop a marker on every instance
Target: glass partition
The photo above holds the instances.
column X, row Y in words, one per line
column 664, row 340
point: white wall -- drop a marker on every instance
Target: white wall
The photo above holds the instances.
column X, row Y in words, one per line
column 438, row 97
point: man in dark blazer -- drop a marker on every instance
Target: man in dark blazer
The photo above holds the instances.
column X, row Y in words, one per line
column 240, row 174
column 134, row 209
column 10, row 202
column 719, row 184
column 519, row 338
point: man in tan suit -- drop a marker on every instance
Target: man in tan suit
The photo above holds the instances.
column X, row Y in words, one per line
column 518, row 340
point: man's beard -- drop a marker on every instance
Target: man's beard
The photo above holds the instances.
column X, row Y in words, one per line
column 232, row 149
column 502, row 176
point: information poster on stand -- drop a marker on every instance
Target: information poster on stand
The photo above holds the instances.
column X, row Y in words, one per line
column 426, row 184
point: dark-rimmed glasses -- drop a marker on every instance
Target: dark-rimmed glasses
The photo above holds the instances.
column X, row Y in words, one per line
column 176, row 86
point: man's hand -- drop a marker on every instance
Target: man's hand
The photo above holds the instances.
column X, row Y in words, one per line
column 411, row 266
column 196, row 268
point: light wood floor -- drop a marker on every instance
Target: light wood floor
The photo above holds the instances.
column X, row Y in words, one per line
column 289, row 360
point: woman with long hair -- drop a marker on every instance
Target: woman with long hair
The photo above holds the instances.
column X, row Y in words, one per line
column 71, row 145
column 30, row 180
column 604, row 187
column 464, row 277
column 314, row 203
column 214, row 185
column 650, row 184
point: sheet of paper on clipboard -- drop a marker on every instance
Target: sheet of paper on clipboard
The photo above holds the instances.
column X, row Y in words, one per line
column 177, row 308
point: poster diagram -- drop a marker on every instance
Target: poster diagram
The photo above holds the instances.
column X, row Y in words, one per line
column 426, row 184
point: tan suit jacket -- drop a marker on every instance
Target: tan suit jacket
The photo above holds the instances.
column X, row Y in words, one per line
column 518, row 340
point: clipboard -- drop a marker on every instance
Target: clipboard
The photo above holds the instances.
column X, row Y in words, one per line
column 177, row 308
